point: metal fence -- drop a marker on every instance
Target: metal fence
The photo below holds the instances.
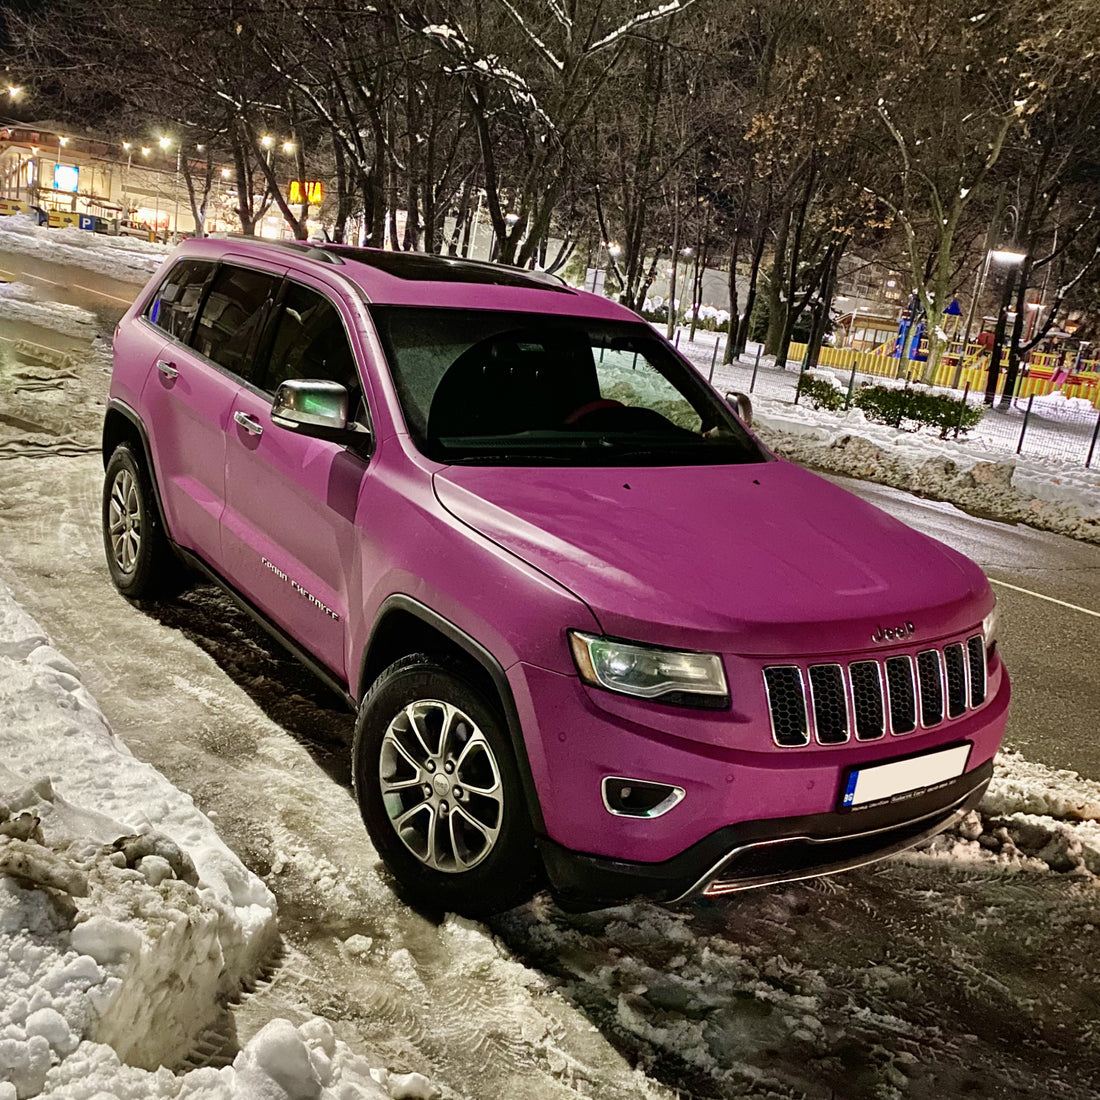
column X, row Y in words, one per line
column 1062, row 431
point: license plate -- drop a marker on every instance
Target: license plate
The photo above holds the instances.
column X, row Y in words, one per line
column 898, row 780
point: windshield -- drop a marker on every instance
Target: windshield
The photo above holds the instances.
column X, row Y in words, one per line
column 483, row 387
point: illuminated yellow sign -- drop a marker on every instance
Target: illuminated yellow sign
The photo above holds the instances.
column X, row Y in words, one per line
column 311, row 191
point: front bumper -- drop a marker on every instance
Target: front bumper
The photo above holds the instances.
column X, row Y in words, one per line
column 764, row 853
column 752, row 812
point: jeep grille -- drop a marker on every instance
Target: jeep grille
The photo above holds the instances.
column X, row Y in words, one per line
column 832, row 702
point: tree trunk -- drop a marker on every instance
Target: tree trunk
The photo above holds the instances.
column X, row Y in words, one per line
column 1017, row 335
column 744, row 322
column 672, row 310
column 777, row 308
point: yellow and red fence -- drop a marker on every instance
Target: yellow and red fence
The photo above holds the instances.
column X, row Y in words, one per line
column 1038, row 379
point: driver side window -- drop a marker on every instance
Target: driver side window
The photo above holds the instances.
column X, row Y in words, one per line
column 310, row 342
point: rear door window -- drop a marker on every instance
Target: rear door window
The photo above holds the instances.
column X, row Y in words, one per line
column 176, row 302
column 236, row 306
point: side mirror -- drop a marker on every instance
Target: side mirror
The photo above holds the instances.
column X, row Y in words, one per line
column 315, row 408
column 741, row 404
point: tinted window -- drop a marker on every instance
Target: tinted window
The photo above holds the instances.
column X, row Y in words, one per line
column 234, row 311
column 176, row 302
column 310, row 342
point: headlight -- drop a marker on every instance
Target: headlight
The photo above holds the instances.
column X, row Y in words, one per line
column 673, row 676
column 989, row 629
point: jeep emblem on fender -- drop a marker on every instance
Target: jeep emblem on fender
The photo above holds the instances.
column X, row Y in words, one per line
column 893, row 633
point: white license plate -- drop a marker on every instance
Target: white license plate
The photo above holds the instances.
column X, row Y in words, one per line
column 888, row 782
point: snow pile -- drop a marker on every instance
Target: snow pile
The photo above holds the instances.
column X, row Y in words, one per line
column 124, row 258
column 1050, row 495
column 1056, row 406
column 1032, row 817
column 18, row 303
column 973, row 473
column 126, row 924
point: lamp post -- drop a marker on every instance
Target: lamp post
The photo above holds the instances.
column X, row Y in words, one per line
column 1012, row 259
column 596, row 269
column 128, row 149
column 472, row 242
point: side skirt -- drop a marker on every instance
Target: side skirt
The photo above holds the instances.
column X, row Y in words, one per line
column 319, row 670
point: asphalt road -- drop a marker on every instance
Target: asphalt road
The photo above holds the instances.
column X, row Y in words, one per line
column 1052, row 648
column 106, row 297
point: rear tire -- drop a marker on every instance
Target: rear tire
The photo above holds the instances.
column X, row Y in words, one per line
column 439, row 791
column 140, row 560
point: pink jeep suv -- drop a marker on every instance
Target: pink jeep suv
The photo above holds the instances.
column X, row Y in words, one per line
column 595, row 633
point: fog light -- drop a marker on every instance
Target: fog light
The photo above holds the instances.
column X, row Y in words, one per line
column 625, row 797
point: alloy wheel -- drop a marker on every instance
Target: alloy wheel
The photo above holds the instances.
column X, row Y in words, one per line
column 441, row 786
column 124, row 521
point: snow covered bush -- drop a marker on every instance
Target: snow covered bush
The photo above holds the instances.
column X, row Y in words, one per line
column 709, row 318
column 922, row 407
column 821, row 393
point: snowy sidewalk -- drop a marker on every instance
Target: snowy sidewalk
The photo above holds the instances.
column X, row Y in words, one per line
column 126, row 924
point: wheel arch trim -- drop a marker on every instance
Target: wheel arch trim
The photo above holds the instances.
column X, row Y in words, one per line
column 472, row 648
column 120, row 408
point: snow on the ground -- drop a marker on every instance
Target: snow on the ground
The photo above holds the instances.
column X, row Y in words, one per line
column 1056, row 496
column 127, row 259
column 126, row 924
column 18, row 302
column 1063, row 497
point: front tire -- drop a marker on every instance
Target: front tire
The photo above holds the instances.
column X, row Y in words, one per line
column 140, row 560
column 439, row 791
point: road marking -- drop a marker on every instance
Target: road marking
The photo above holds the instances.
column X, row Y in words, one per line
column 41, row 280
column 1049, row 599
column 103, row 294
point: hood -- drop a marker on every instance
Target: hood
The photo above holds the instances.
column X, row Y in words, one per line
column 761, row 559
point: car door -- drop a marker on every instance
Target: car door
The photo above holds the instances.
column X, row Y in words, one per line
column 190, row 396
column 184, row 405
column 289, row 524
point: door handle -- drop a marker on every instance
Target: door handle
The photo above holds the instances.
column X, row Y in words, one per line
column 250, row 424
column 167, row 369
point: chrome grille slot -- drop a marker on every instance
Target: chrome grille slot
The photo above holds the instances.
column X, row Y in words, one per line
column 954, row 663
column 870, row 711
column 787, row 704
column 930, row 679
column 901, row 690
column 975, row 649
column 830, row 704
